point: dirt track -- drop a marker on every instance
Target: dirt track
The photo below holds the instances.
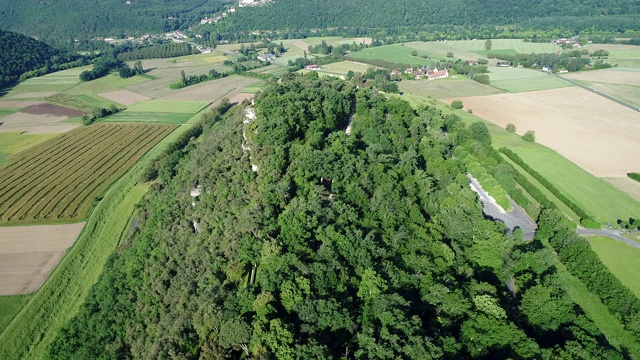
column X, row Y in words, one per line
column 29, row 253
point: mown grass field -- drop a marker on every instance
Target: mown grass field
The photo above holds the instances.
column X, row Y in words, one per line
column 446, row 88
column 84, row 102
column 58, row 180
column 55, row 82
column 524, row 80
column 147, row 117
column 108, row 83
column 438, row 50
column 393, row 53
column 344, row 67
column 202, row 59
column 59, row 299
column 169, row 106
column 621, row 259
column 7, row 111
column 517, row 45
column 596, row 196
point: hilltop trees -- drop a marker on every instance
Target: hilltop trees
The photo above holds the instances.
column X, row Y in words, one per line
column 368, row 245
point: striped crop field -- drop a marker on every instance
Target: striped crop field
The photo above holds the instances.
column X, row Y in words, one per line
column 58, row 180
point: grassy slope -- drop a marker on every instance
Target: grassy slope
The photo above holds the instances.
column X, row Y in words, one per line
column 446, row 88
column 9, row 307
column 621, row 259
column 58, row 300
column 394, row 53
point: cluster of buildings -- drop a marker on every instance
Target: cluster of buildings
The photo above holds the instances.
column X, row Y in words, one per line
column 243, row 3
column 424, row 73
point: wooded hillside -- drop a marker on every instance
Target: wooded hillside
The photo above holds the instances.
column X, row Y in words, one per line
column 19, row 54
column 303, row 241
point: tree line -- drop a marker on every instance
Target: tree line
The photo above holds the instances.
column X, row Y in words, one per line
column 307, row 242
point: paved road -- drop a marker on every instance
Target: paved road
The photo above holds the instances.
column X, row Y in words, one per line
column 632, row 107
column 512, row 219
column 614, row 234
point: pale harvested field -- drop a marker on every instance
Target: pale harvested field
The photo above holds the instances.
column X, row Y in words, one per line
column 39, row 129
column 21, row 118
column 32, row 95
column 159, row 87
column 610, row 47
column 629, row 186
column 212, row 90
column 29, row 253
column 160, row 64
column 18, row 104
column 124, row 97
column 607, row 76
column 595, row 133
column 301, row 45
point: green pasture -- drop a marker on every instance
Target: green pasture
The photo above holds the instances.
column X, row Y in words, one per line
column 438, row 50
column 518, row 45
column 506, row 52
column 9, row 307
column 343, row 67
column 202, row 59
column 138, row 117
column 169, row 106
column 621, row 259
column 83, row 102
column 107, row 83
column 596, row 196
column 523, row 80
column 625, row 53
column 446, row 88
column 393, row 53
column 13, row 142
column 7, row 111
column 597, row 312
column 60, row 297
column 252, row 89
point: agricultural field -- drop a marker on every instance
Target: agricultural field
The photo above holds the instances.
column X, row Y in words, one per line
column 124, row 97
column 58, row 180
column 438, row 50
column 446, row 88
column 29, row 253
column 169, row 106
column 47, row 85
column 14, row 142
column 201, row 59
column 621, row 259
column 517, row 80
column 140, row 117
column 393, row 53
column 9, row 307
column 40, row 118
column 343, row 67
column 629, row 186
column 517, row 46
column 621, row 83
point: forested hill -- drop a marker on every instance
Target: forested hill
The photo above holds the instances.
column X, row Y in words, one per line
column 368, row 14
column 20, row 53
column 306, row 242
column 81, row 18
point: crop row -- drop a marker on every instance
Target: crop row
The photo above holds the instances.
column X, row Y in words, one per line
column 41, row 202
column 59, row 182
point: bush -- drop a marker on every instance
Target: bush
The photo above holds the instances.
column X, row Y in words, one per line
column 634, row 176
column 529, row 136
column 590, row 223
column 449, row 54
column 511, row 128
column 456, row 104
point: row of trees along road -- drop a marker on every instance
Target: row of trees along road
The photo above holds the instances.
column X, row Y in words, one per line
column 369, row 245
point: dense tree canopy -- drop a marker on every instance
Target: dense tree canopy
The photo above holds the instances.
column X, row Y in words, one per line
column 19, row 54
column 307, row 242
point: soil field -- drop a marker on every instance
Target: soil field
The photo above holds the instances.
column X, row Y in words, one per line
column 50, row 109
column 159, row 87
column 29, row 253
column 597, row 134
column 124, row 97
column 446, row 88
column 58, row 180
column 238, row 98
column 213, row 91
column 623, row 85
column 24, row 119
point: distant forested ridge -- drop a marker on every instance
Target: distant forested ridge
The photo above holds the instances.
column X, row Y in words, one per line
column 20, row 53
column 283, row 236
column 362, row 15
column 78, row 18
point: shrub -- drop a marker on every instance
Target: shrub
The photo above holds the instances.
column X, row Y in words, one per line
column 456, row 104
column 529, row 136
column 590, row 223
column 634, row 176
column 511, row 128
